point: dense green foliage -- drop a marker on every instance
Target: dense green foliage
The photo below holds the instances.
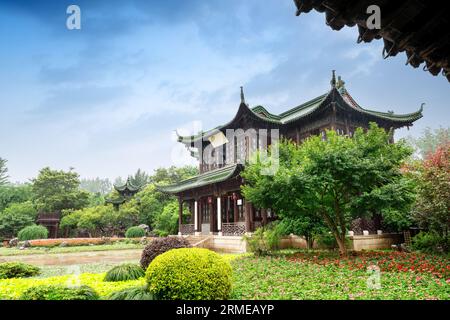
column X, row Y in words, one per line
column 264, row 240
column 189, row 274
column 430, row 141
column 13, row 288
column 135, row 232
column 56, row 190
column 159, row 246
column 10, row 194
column 96, row 186
column 133, row 293
column 124, row 272
column 59, row 293
column 336, row 179
column 431, row 211
column 15, row 217
column 10, row 270
column 33, row 232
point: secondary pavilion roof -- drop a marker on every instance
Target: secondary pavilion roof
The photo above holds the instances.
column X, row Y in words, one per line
column 338, row 93
column 420, row 28
column 127, row 186
column 207, row 178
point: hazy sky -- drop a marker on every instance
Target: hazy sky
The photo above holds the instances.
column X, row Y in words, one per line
column 106, row 99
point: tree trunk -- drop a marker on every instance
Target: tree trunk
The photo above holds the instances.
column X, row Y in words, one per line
column 341, row 244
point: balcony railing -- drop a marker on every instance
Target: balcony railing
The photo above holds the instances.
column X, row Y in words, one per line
column 187, row 229
column 233, row 229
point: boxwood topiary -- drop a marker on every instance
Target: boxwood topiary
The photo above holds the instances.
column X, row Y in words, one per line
column 33, row 232
column 133, row 293
column 159, row 246
column 125, row 272
column 48, row 292
column 9, row 270
column 135, row 232
column 189, row 274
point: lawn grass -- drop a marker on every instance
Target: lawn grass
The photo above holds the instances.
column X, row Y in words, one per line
column 312, row 276
column 44, row 250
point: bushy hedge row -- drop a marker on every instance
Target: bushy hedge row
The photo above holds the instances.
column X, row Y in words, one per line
column 10, row 270
column 135, row 232
column 46, row 292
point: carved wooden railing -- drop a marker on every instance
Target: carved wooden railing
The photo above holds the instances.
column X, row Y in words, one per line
column 233, row 229
column 187, row 229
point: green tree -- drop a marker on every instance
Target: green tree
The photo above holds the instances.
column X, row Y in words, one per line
column 96, row 186
column 56, row 190
column 337, row 178
column 167, row 222
column 173, row 174
column 14, row 194
column 3, row 172
column 16, row 217
column 140, row 178
column 432, row 208
column 430, row 140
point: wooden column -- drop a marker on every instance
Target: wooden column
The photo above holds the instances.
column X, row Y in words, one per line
column 180, row 214
column 227, row 208
column 236, row 211
column 248, row 212
column 211, row 214
column 264, row 216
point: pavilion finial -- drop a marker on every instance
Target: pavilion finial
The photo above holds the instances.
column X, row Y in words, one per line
column 242, row 95
column 333, row 79
column 421, row 106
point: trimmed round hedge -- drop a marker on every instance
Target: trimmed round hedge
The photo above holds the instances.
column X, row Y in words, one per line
column 33, row 232
column 9, row 270
column 159, row 246
column 135, row 232
column 48, row 292
column 189, row 274
column 124, row 272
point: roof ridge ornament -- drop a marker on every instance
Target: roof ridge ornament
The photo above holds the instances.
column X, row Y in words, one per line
column 333, row 79
column 340, row 83
column 421, row 106
column 242, row 95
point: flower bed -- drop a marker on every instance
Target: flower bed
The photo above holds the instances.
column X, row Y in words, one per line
column 80, row 241
column 387, row 261
column 13, row 288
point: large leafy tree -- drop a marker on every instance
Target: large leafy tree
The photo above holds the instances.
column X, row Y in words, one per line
column 432, row 208
column 15, row 217
column 57, row 190
column 3, row 172
column 14, row 194
column 96, row 186
column 337, row 179
column 430, row 140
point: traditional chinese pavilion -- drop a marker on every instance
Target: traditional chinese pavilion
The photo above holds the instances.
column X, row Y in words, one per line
column 214, row 197
column 125, row 191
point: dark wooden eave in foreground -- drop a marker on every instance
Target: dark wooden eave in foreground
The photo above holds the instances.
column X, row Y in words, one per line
column 420, row 28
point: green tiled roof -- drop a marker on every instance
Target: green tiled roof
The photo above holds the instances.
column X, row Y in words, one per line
column 305, row 109
column 127, row 186
column 207, row 178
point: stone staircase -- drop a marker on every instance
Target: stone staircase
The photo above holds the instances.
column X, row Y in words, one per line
column 223, row 244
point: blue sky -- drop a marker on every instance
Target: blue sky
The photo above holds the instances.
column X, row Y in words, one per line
column 105, row 99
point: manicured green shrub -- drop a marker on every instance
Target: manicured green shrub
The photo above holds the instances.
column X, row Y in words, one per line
column 33, row 232
column 125, row 272
column 135, row 232
column 49, row 292
column 9, row 270
column 133, row 293
column 159, row 246
column 189, row 274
